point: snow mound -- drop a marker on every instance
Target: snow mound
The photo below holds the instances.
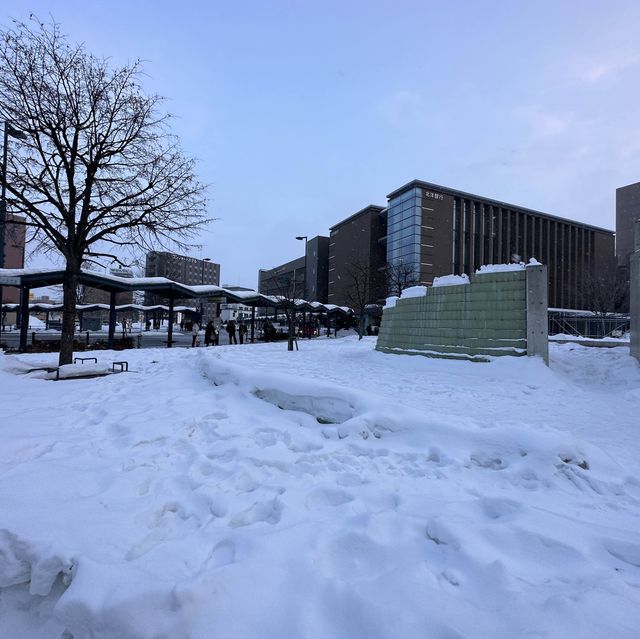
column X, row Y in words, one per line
column 415, row 291
column 254, row 492
column 451, row 280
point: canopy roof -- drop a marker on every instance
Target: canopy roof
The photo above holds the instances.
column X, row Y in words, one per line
column 38, row 278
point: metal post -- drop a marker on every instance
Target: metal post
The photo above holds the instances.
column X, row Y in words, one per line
column 170, row 331
column 253, row 323
column 3, row 197
column 112, row 318
column 24, row 314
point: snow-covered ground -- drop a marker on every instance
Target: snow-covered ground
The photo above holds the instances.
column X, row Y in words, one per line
column 332, row 492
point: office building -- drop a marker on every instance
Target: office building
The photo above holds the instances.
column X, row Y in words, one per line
column 438, row 230
column 304, row 278
column 627, row 212
column 14, row 247
column 356, row 246
column 183, row 269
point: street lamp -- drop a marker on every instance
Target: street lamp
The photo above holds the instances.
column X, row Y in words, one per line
column 205, row 259
column 306, row 240
column 20, row 135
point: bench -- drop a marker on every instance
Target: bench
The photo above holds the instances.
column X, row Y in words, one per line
column 85, row 359
column 122, row 366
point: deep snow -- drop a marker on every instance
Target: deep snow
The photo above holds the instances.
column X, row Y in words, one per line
column 330, row 492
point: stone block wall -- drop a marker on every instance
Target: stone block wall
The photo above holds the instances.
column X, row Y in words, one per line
column 490, row 316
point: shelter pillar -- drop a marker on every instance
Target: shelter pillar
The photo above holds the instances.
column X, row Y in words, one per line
column 112, row 318
column 24, row 317
column 253, row 323
column 170, row 331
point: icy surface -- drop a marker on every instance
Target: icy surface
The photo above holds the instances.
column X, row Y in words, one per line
column 330, row 492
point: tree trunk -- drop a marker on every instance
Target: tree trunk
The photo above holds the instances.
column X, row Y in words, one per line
column 291, row 329
column 69, row 298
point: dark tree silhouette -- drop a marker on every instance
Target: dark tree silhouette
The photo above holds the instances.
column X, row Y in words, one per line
column 400, row 275
column 360, row 286
column 99, row 175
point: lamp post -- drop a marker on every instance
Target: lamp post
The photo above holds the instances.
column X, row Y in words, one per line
column 205, row 259
column 20, row 135
column 306, row 240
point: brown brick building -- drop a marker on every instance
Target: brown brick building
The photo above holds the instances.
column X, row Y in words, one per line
column 441, row 230
column 355, row 244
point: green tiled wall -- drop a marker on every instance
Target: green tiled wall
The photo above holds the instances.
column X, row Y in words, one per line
column 484, row 318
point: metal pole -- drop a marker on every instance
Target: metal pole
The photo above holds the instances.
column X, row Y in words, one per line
column 3, row 206
column 170, row 330
column 24, row 314
column 253, row 323
column 112, row 318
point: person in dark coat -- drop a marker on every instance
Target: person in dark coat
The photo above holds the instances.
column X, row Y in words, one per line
column 231, row 329
column 208, row 333
column 242, row 332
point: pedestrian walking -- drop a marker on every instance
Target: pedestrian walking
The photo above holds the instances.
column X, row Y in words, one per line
column 208, row 333
column 195, row 331
column 242, row 332
column 217, row 327
column 231, row 329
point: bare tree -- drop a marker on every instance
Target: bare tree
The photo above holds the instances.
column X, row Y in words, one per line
column 99, row 174
column 604, row 291
column 400, row 275
column 360, row 284
column 288, row 291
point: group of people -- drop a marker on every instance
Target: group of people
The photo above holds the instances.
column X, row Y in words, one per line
column 212, row 332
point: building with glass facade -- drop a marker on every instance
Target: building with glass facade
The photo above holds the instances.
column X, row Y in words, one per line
column 439, row 230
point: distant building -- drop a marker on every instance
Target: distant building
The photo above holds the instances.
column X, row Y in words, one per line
column 358, row 243
column 237, row 312
column 288, row 277
column 306, row 277
column 183, row 269
column 90, row 295
column 627, row 212
column 14, row 247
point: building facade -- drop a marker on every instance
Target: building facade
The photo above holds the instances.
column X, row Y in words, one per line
column 627, row 212
column 183, row 269
column 356, row 248
column 288, row 279
column 439, row 230
column 304, row 278
column 14, row 248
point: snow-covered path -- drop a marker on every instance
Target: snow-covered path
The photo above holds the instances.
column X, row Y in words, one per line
column 330, row 492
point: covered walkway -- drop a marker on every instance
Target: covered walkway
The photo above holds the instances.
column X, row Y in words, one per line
column 29, row 279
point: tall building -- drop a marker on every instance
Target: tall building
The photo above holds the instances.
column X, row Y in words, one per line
column 305, row 277
column 357, row 244
column 183, row 269
column 627, row 212
column 439, row 230
column 14, row 247
column 316, row 269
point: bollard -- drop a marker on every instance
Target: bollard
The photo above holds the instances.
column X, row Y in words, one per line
column 87, row 338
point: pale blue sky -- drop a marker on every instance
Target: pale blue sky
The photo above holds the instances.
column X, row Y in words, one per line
column 302, row 113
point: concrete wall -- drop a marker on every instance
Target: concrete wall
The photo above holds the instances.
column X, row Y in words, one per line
column 491, row 316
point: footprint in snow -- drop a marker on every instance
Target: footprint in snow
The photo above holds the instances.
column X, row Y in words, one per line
column 262, row 511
